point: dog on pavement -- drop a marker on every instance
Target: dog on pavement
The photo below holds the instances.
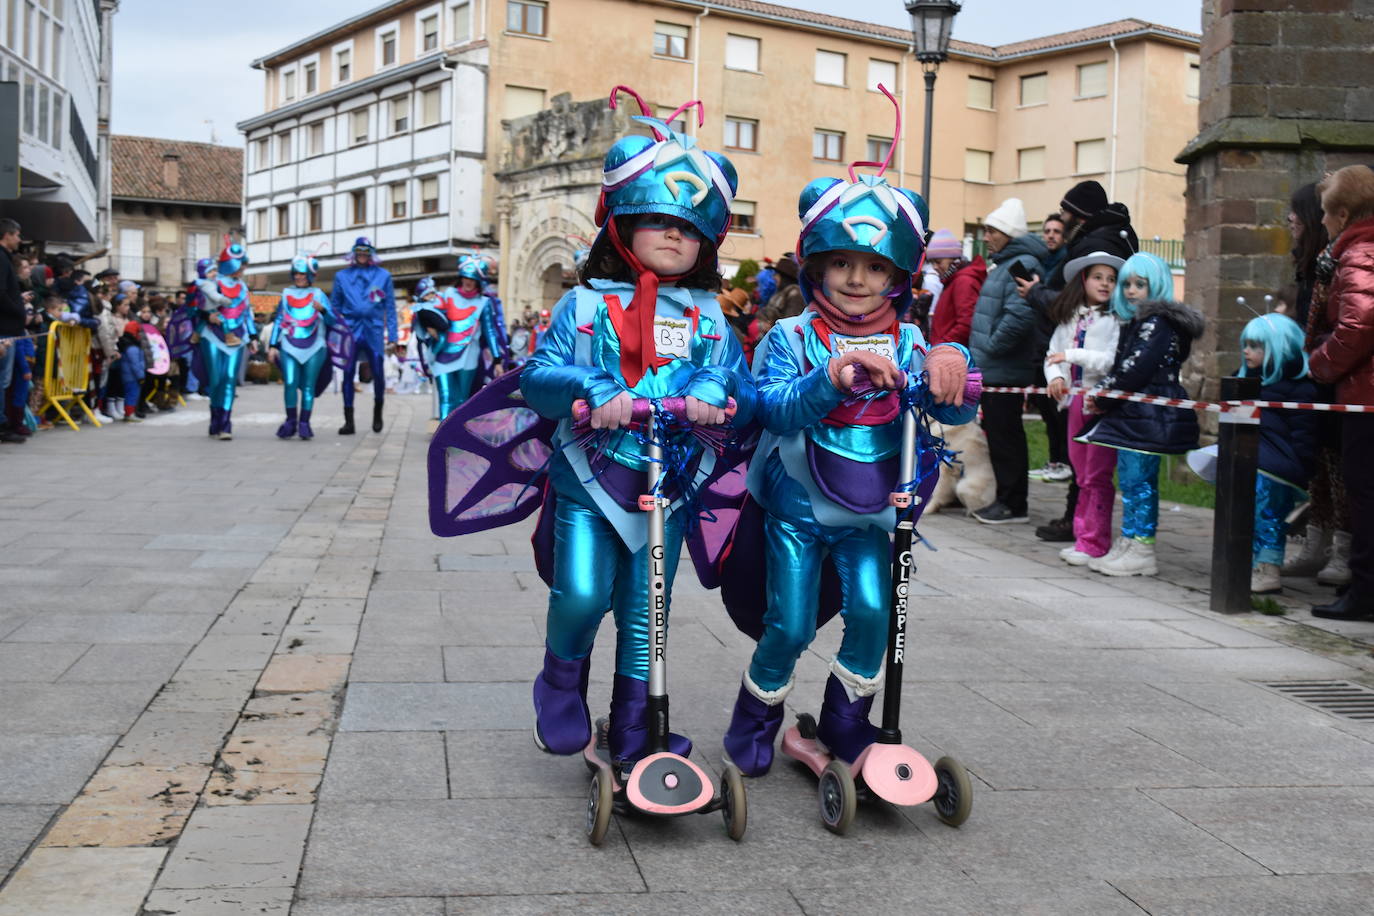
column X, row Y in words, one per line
column 969, row 481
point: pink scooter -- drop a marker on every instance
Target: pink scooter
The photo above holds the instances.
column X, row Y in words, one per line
column 661, row 783
column 887, row 768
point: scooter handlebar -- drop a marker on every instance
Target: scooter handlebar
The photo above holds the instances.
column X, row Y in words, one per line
column 639, row 413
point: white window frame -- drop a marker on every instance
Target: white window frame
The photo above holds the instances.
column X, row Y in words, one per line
column 875, row 79
column 391, row 200
column 668, row 30
column 1078, row 81
column 353, row 126
column 460, row 11
column 307, row 62
column 287, row 76
column 281, row 227
column 353, row 197
column 392, row 28
column 313, row 130
column 352, row 62
column 740, row 42
column 437, row 11
column 262, row 153
column 284, row 150
column 312, row 206
column 392, row 103
column 425, row 210
column 260, row 224
column 426, row 93
column 828, row 59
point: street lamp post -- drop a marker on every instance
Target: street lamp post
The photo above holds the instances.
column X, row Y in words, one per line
column 931, row 22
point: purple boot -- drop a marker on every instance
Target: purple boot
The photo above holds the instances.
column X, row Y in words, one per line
column 216, row 420
column 629, row 730
column 562, row 724
column 844, row 727
column 226, row 426
column 288, row 429
column 305, row 431
column 754, row 725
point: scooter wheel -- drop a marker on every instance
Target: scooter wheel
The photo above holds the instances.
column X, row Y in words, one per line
column 954, row 792
column 600, row 801
column 734, row 805
column 837, row 797
column 806, row 725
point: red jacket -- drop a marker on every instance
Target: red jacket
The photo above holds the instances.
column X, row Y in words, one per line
column 1346, row 357
column 953, row 318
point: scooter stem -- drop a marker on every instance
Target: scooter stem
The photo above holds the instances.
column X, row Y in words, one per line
column 653, row 503
column 903, row 502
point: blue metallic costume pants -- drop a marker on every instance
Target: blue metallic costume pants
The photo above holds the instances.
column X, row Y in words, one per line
column 223, row 370
column 298, row 379
column 1274, row 500
column 374, row 361
column 453, row 389
column 862, row 558
column 1137, row 474
column 594, row 572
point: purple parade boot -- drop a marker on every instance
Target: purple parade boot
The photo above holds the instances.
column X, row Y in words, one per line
column 844, row 727
column 226, row 426
column 305, row 431
column 754, row 725
column 628, row 736
column 288, row 429
column 562, row 724
column 216, row 420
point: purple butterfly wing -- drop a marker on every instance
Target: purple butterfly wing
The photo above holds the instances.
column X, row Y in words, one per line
column 181, row 327
column 722, row 496
column 487, row 461
column 339, row 339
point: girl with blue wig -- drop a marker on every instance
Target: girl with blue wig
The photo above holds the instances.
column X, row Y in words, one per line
column 298, row 345
column 1272, row 346
column 1150, row 354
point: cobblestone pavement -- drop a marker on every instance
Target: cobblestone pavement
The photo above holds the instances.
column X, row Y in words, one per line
column 243, row 678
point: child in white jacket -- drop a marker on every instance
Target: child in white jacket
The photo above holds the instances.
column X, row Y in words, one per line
column 1082, row 350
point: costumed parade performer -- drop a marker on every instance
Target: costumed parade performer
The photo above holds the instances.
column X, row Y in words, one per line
column 457, row 333
column 224, row 328
column 299, row 346
column 364, row 298
column 834, row 383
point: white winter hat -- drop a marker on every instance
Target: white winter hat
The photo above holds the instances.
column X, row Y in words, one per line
column 1010, row 218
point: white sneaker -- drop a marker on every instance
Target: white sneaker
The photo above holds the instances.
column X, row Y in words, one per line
column 1056, row 472
column 1137, row 559
column 1075, row 557
column 196, row 396
column 1264, row 580
column 1337, row 569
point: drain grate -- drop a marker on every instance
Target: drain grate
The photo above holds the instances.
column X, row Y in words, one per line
column 1340, row 698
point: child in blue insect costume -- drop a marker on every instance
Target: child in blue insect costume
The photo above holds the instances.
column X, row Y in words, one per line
column 298, row 344
column 457, row 332
column 644, row 323
column 225, row 329
column 363, row 296
column 832, row 385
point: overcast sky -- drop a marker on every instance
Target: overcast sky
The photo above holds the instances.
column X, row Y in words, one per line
column 168, row 86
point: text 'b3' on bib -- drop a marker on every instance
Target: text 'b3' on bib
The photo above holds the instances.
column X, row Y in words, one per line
column 673, row 337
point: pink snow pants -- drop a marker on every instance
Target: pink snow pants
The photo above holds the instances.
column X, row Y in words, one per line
column 1093, row 466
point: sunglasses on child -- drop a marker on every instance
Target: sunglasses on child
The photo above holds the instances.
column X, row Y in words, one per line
column 663, row 222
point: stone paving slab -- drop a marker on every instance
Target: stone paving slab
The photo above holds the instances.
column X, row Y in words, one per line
column 235, row 847
column 234, row 901
column 433, row 707
column 969, row 898
column 1276, row 895
column 374, row 766
column 18, row 825
column 81, row 882
column 369, row 906
column 705, row 904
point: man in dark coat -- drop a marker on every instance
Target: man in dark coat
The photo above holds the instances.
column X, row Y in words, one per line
column 11, row 317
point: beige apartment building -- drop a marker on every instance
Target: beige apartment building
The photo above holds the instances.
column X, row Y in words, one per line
column 790, row 95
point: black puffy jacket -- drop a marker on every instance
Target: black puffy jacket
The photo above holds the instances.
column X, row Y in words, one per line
column 1288, row 438
column 1149, row 356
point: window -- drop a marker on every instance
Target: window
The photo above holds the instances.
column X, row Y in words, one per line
column 283, row 220
column 884, row 72
column 314, row 139
column 284, row 148
column 398, row 201
column 977, row 165
column 741, row 53
column 429, row 195
column 522, row 101
column 830, row 68
column 262, row 153
column 358, row 126
column 386, row 45
column 343, row 65
column 197, row 247
column 56, row 71
column 30, row 102
column 1092, row 80
column 741, row 133
column 979, row 93
column 462, row 22
column 678, row 124
column 1030, row 163
column 288, row 85
column 526, row 17
column 357, row 203
column 429, row 32
column 431, row 106
column 399, row 108
column 312, row 79
column 259, row 224
column 878, row 148
column 1089, row 157
column 742, row 216
column 670, row 39
column 315, row 210
column 43, row 119
column 1192, row 86
column 1035, row 89
column 827, row 145
column 57, row 121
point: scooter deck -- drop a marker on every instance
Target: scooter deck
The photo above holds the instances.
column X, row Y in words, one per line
column 915, row 785
column 664, row 785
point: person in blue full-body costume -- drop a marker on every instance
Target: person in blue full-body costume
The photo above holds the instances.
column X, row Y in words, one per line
column 643, row 323
column 364, row 297
column 457, row 329
column 298, row 344
column 225, row 330
column 830, row 400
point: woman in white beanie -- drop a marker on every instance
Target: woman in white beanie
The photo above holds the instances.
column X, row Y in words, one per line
column 1003, row 345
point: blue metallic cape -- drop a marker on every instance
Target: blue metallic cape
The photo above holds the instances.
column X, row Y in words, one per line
column 364, row 296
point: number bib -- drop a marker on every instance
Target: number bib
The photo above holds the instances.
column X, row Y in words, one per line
column 673, row 337
column 884, row 345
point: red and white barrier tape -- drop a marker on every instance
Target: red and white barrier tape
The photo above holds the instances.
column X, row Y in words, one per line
column 1186, row 403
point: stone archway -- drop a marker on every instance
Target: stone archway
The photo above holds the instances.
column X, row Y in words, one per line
column 545, row 259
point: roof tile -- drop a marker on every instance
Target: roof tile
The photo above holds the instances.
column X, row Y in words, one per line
column 208, row 173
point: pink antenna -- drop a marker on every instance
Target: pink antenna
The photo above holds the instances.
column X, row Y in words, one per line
column 685, row 106
column 643, row 106
column 896, row 136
